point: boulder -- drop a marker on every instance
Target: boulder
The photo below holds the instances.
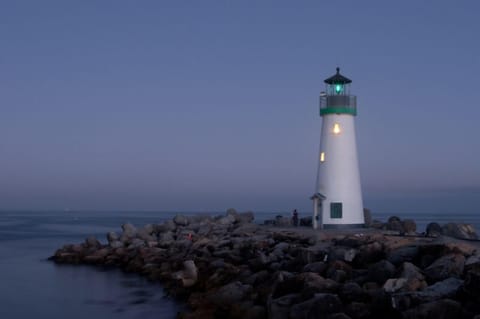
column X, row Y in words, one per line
column 323, row 304
column 229, row 294
column 112, row 236
column 395, row 284
column 381, row 271
column 283, row 221
column 352, row 291
column 472, row 283
column 116, row 244
column 461, row 231
column 447, row 288
column 92, row 242
column 350, row 254
column 279, row 308
column 129, row 230
column 244, row 218
column 440, row 309
column 433, row 230
column 409, row 226
column 226, row 220
column 318, row 267
column 447, row 266
column 168, row 225
column 358, row 310
column 189, row 275
column 180, row 220
column 402, row 254
column 410, row 271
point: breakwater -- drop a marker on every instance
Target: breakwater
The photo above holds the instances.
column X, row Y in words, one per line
column 228, row 267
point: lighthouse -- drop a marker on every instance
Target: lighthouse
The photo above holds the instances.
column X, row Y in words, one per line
column 337, row 201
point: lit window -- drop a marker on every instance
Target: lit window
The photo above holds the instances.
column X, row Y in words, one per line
column 336, row 128
column 322, row 157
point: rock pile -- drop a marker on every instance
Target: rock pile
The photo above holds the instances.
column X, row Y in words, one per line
column 228, row 267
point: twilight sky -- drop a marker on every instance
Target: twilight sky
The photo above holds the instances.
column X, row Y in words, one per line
column 205, row 105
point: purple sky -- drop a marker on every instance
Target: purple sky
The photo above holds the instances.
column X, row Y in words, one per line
column 204, row 105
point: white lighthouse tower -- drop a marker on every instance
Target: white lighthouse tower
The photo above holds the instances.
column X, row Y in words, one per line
column 337, row 202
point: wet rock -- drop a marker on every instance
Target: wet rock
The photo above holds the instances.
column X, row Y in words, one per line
column 441, row 309
column 461, row 231
column 433, row 230
column 450, row 265
column 381, row 271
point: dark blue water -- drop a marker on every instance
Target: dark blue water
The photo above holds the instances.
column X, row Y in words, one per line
column 32, row 287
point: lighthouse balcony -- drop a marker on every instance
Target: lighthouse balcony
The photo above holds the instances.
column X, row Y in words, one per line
column 338, row 104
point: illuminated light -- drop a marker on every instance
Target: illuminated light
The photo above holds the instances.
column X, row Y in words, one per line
column 338, row 88
column 322, row 157
column 336, row 128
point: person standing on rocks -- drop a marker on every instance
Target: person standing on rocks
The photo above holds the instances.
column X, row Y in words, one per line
column 295, row 218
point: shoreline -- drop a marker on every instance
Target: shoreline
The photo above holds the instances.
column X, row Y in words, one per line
column 228, row 267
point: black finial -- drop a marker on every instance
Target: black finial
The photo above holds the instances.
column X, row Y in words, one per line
column 338, row 79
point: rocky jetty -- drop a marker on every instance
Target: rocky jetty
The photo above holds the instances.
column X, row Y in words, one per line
column 228, row 267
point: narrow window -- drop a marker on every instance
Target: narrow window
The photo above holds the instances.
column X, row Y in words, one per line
column 335, row 210
column 322, row 157
column 336, row 128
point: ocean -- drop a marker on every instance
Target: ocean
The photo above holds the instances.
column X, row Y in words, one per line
column 32, row 287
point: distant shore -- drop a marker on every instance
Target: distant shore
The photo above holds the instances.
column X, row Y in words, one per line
column 229, row 267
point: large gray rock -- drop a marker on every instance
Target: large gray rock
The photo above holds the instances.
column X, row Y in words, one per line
column 450, row 265
column 129, row 230
column 168, row 225
column 410, row 271
column 226, row 220
column 181, row 220
column 244, row 218
column 457, row 230
column 447, row 288
column 433, row 230
column 92, row 242
column 112, row 236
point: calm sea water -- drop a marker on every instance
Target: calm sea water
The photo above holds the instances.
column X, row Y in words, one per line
column 32, row 287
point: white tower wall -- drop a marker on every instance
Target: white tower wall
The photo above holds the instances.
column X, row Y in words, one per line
column 338, row 172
